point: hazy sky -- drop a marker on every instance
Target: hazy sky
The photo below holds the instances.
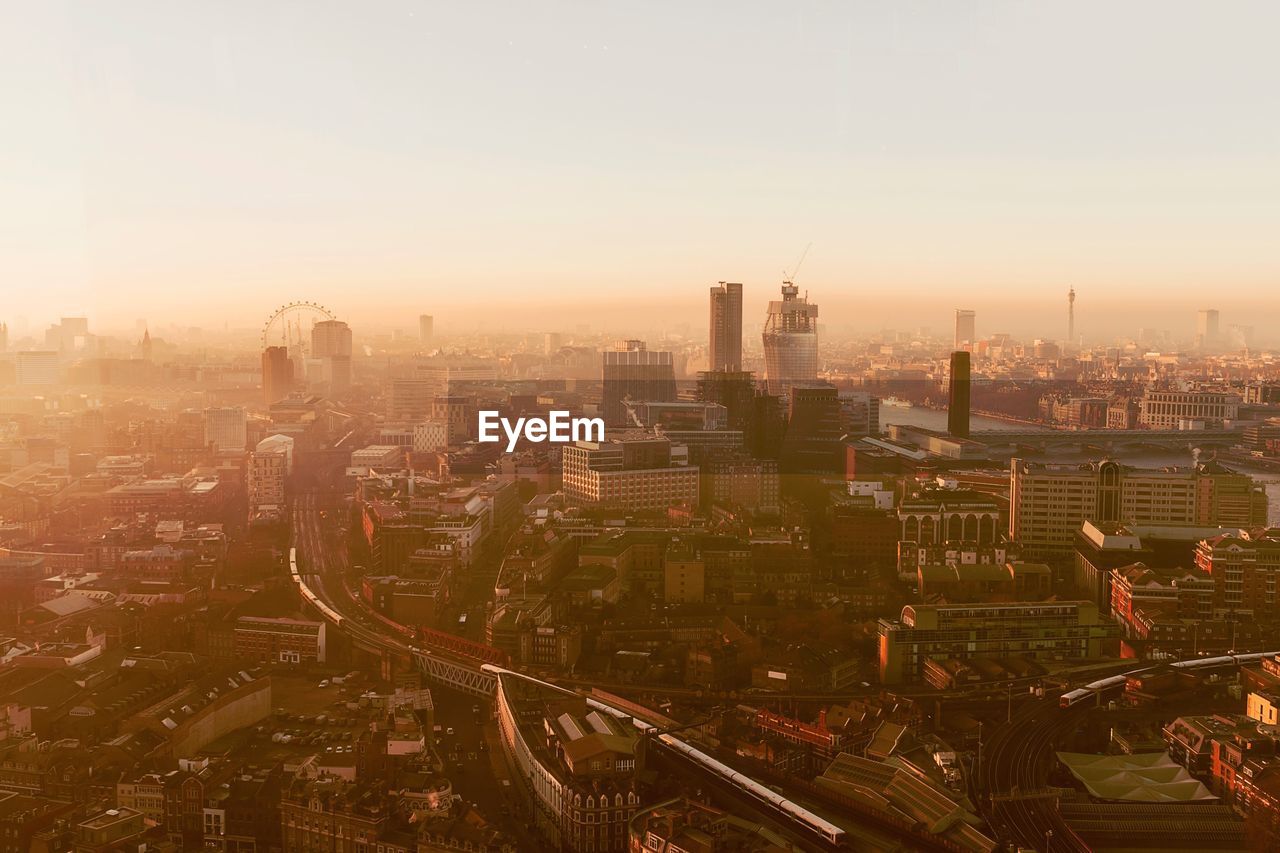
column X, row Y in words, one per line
column 604, row 160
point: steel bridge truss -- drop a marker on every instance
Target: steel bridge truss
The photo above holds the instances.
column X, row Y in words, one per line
column 467, row 678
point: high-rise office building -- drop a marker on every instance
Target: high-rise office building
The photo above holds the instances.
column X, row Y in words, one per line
column 426, row 324
column 965, row 329
column 790, row 341
column 225, row 428
column 37, row 367
column 736, row 391
column 732, row 389
column 277, row 374
column 726, row 326
column 634, row 372
column 959, row 399
column 1207, row 327
column 331, row 345
column 329, row 338
column 1049, row 503
column 551, row 343
column 812, row 444
column 410, row 398
column 4, row 337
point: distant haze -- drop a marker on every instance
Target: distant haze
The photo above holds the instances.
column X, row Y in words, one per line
column 539, row 165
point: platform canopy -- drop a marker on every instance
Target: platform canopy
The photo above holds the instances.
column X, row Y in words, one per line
column 1151, row 777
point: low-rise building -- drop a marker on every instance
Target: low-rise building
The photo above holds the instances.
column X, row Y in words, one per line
column 266, row 639
column 1042, row 630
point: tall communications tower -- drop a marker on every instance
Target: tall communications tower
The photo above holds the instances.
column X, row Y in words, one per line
column 1071, row 316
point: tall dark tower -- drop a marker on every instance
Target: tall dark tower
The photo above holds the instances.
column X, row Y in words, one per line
column 726, row 326
column 958, row 402
column 1071, row 317
column 277, row 374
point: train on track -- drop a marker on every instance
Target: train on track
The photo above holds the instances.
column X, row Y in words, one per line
column 1095, row 689
column 310, row 597
column 817, row 825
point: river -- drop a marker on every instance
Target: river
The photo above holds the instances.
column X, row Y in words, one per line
column 937, row 419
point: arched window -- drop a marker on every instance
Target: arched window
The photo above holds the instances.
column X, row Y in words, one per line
column 986, row 530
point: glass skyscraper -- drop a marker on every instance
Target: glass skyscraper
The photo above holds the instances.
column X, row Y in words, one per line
column 790, row 341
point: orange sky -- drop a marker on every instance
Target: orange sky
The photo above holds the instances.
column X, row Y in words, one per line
column 541, row 163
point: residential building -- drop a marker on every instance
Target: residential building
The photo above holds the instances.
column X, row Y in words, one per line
column 1244, row 570
column 279, row 640
column 267, row 475
column 743, row 481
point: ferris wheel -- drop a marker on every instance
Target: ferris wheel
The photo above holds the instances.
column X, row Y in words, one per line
column 290, row 325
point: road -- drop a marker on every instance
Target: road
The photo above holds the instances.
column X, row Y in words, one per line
column 472, row 758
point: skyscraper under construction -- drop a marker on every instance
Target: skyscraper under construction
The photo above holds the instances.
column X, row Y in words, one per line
column 790, row 341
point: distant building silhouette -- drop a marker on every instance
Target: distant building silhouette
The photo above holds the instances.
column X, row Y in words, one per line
column 426, row 328
column 331, row 344
column 959, row 400
column 1207, row 328
column 634, row 372
column 1071, row 317
column 966, row 334
column 277, row 374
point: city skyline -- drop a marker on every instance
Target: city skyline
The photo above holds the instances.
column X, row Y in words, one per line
column 605, row 427
column 1172, row 327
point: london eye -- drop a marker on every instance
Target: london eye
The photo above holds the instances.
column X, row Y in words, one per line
column 290, row 325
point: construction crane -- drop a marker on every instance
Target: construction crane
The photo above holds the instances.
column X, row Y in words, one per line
column 789, row 278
